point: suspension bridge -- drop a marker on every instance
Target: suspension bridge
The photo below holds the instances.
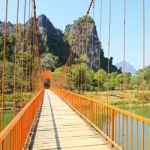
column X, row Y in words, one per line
column 59, row 117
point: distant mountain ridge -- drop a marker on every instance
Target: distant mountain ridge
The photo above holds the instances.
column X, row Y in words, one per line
column 50, row 38
column 128, row 67
column 10, row 27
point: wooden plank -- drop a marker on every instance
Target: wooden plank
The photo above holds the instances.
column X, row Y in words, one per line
column 59, row 127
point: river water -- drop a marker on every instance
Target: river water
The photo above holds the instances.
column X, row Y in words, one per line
column 125, row 136
column 124, row 125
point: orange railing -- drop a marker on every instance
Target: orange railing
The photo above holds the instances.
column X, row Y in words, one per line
column 124, row 130
column 15, row 135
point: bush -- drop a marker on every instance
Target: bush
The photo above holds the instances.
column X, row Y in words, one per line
column 146, row 97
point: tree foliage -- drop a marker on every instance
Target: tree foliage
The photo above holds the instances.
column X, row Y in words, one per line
column 9, row 74
column 49, row 61
column 9, row 47
column 80, row 75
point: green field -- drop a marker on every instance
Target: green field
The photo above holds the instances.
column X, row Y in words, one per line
column 8, row 114
column 138, row 111
column 8, row 117
column 132, row 100
column 116, row 97
column 9, row 97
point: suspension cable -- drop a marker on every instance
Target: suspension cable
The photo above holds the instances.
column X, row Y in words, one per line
column 29, row 10
column 4, row 66
column 86, row 54
column 29, row 48
column 124, row 54
column 15, row 57
column 78, row 77
column 79, row 63
column 143, row 54
column 108, row 73
column 91, row 80
column 82, row 52
column 28, row 52
column 143, row 70
column 101, row 17
column 32, row 43
column 99, row 50
column 22, row 61
column 124, row 67
column 109, row 32
column 36, row 60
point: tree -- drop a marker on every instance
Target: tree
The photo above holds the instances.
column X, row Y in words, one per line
column 135, row 82
column 80, row 76
column 101, row 77
column 9, row 47
column 112, row 85
column 119, row 81
column 49, row 61
column 9, row 73
column 146, row 77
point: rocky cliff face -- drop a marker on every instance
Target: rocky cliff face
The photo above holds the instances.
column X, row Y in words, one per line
column 45, row 27
column 88, row 44
column 52, row 39
column 88, row 41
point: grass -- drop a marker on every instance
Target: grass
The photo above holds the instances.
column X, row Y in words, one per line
column 132, row 100
column 8, row 117
column 138, row 110
column 116, row 97
column 9, row 97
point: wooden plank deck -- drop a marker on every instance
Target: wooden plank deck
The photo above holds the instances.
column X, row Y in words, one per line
column 59, row 127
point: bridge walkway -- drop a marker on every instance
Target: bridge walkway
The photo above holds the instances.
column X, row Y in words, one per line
column 59, row 127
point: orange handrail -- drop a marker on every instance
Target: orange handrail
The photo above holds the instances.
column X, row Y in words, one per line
column 14, row 136
column 101, row 115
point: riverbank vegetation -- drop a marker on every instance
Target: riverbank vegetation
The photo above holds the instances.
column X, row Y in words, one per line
column 81, row 79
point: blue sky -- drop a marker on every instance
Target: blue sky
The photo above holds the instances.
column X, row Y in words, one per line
column 63, row 12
